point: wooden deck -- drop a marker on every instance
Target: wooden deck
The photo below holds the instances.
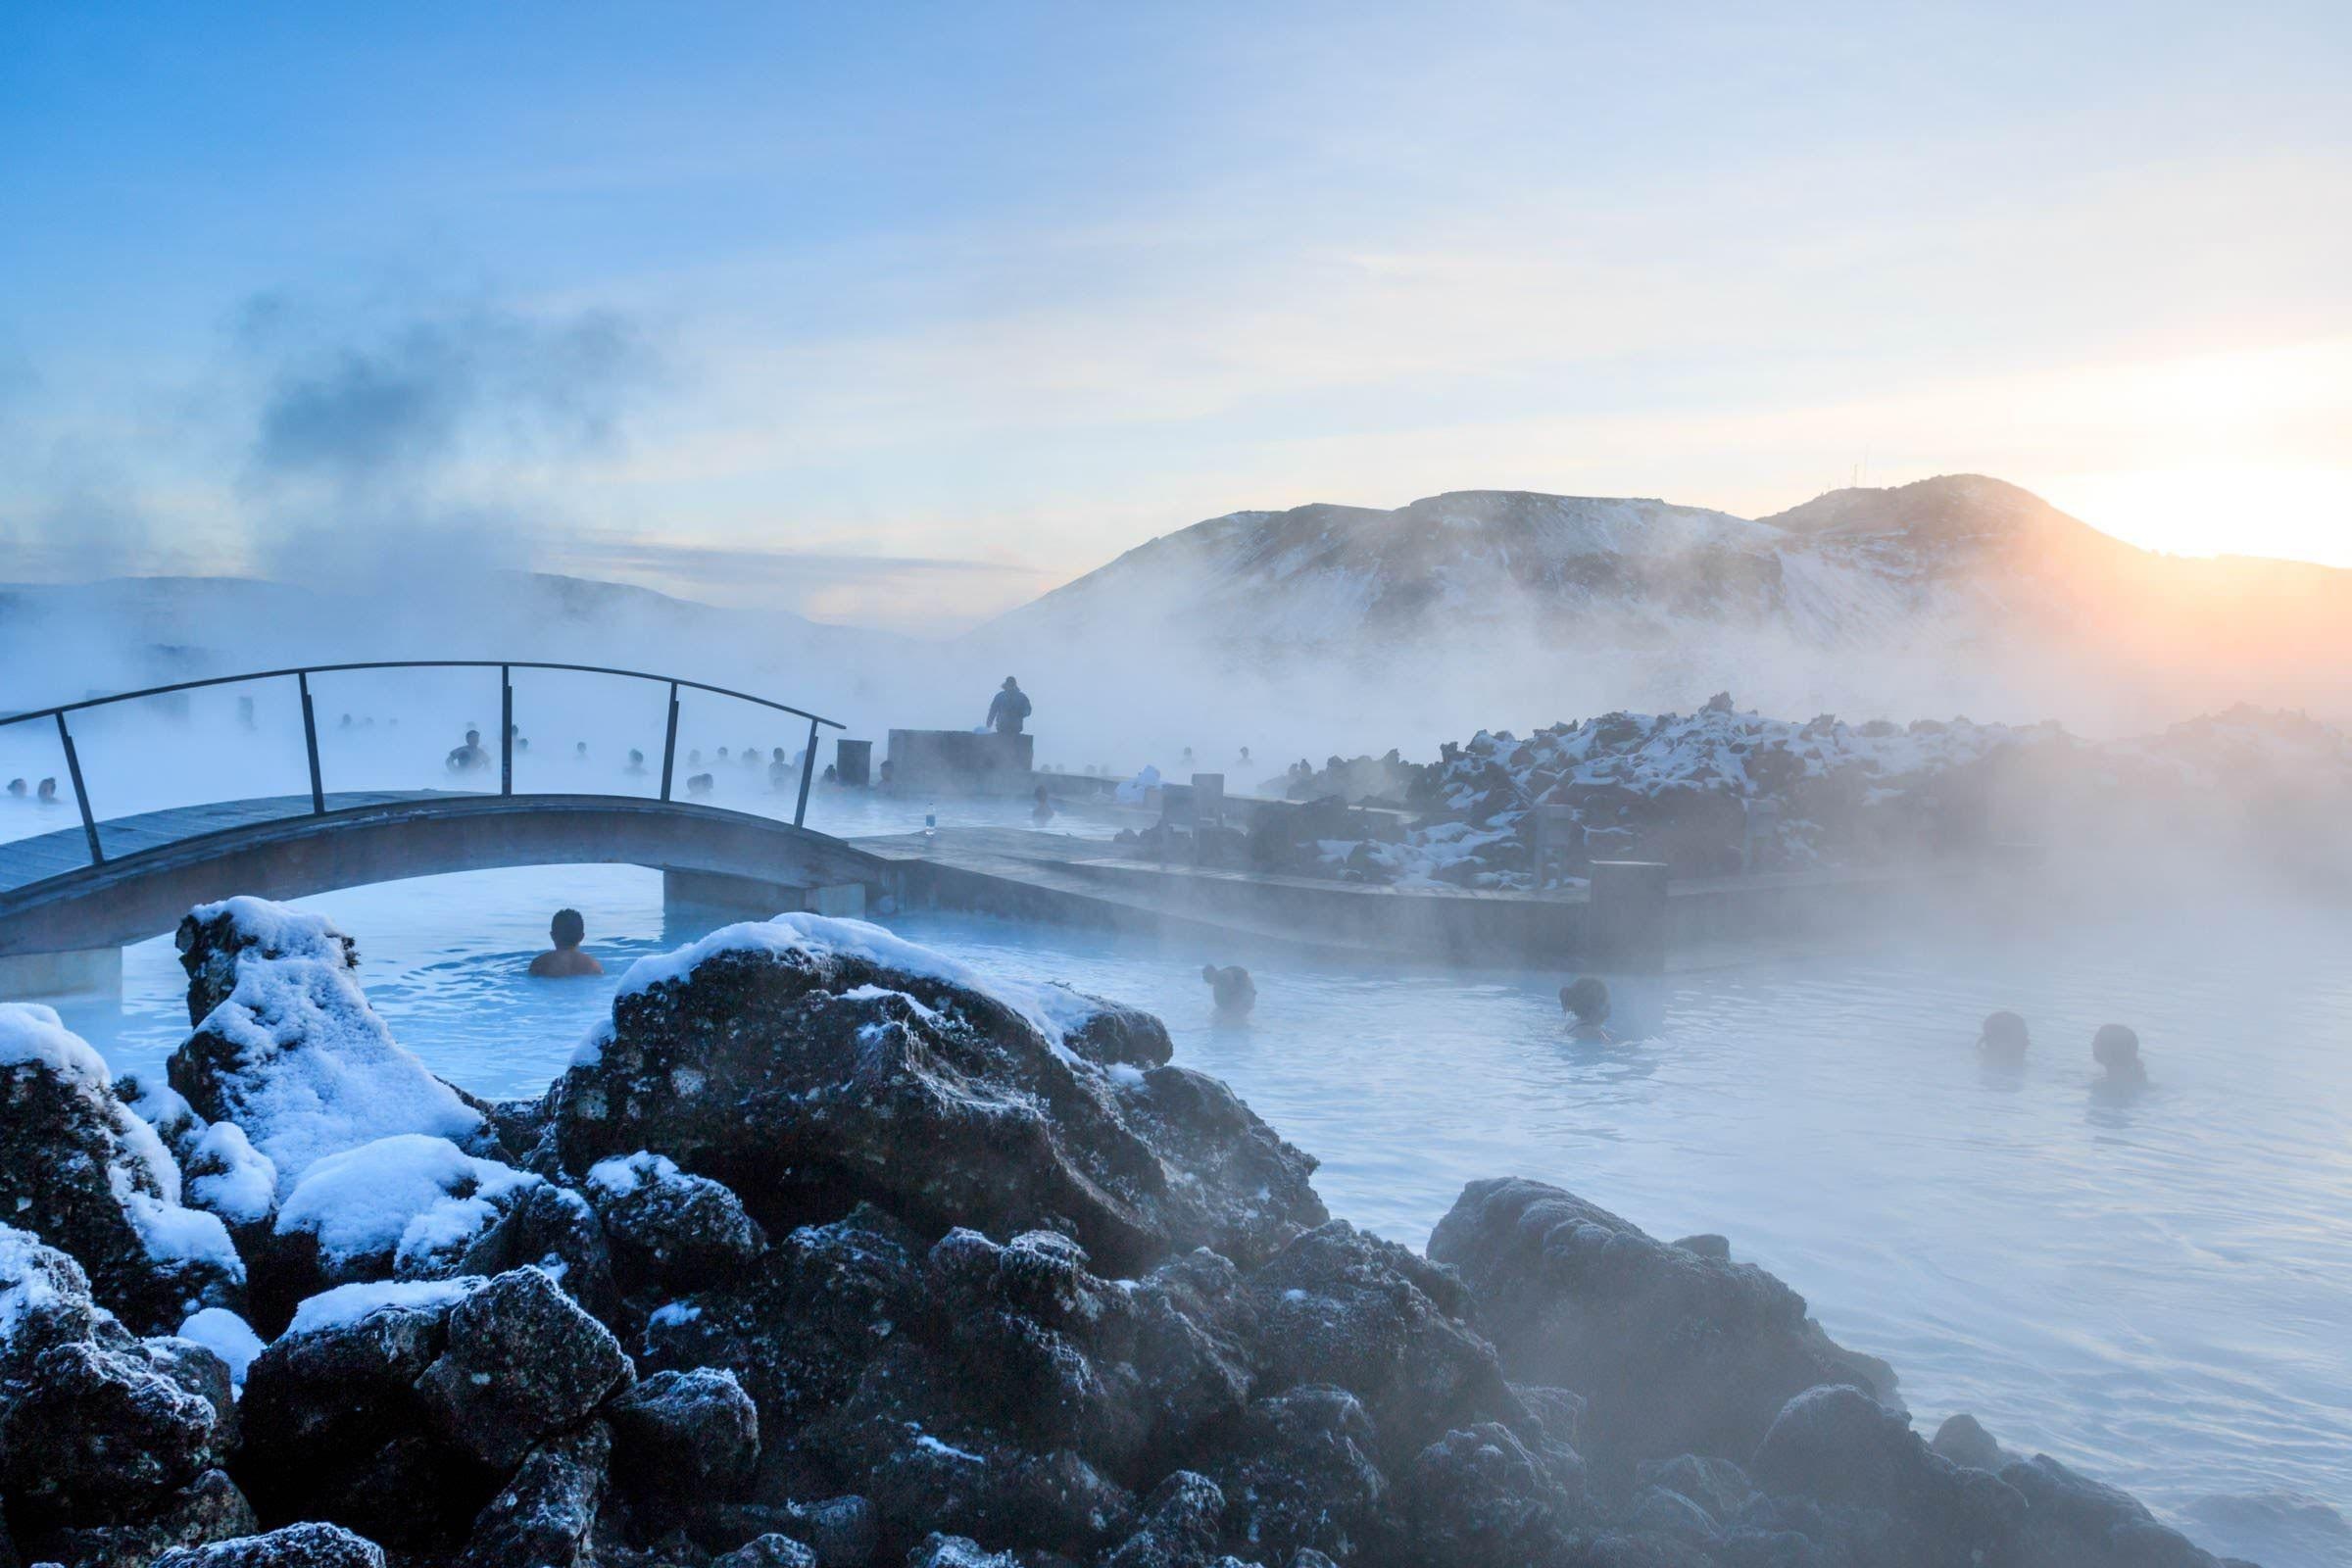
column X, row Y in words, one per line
column 24, row 862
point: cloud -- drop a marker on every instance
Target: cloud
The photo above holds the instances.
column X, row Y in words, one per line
column 373, row 403
column 933, row 594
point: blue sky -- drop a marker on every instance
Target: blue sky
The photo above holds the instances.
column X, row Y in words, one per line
column 905, row 313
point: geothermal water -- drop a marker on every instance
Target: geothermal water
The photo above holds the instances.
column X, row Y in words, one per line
column 2157, row 1290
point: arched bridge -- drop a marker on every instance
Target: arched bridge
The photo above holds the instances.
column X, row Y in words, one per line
column 106, row 883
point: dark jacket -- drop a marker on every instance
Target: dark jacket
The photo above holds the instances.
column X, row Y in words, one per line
column 1006, row 709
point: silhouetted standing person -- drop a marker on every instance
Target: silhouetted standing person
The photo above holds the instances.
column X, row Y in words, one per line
column 1008, row 710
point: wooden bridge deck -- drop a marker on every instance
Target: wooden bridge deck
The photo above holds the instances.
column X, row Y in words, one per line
column 24, row 862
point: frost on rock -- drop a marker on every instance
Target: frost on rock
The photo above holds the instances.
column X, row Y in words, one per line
column 291, row 1052
column 668, row 1229
column 81, row 1170
column 807, row 1062
column 44, row 1299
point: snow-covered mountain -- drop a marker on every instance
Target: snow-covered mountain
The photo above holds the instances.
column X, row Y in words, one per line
column 1961, row 589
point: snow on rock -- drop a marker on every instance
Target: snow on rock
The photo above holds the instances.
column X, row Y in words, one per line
column 228, row 1176
column 82, row 1171
column 1054, row 1010
column 1138, row 790
column 348, row 1305
column 668, row 1229
column 291, row 1052
column 1721, row 790
column 44, row 1299
column 228, row 1336
column 215, row 938
column 807, row 1059
column 408, row 1203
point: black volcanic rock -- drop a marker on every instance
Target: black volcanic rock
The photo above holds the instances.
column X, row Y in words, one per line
column 687, row 1438
column 302, row 1545
column 1342, row 1308
column 542, row 1517
column 797, row 1067
column 523, row 1361
column 82, row 1172
column 96, row 1431
column 1674, row 1351
column 670, row 1230
column 1301, row 1474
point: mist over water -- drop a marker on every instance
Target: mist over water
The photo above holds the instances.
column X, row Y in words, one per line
column 2151, row 1290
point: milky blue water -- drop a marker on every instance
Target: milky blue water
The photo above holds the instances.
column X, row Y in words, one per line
column 2157, row 1290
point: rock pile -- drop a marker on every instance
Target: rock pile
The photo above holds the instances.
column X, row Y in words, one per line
column 1720, row 790
column 824, row 1254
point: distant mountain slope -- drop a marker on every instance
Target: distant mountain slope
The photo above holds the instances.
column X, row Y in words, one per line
column 1960, row 590
column 1328, row 578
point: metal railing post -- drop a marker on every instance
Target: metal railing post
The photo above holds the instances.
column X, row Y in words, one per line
column 799, row 811
column 670, row 743
column 506, row 730
column 81, row 795
column 310, row 741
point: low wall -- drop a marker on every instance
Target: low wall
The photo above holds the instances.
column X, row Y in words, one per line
column 959, row 761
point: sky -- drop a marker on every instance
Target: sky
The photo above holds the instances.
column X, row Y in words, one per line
column 902, row 315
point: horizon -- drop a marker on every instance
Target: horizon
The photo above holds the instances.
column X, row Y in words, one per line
column 983, row 618
column 889, row 330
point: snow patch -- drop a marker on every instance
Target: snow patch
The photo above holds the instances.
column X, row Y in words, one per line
column 347, row 1305
column 1054, row 1010
column 414, row 1197
column 318, row 1071
column 228, row 1336
column 623, row 1174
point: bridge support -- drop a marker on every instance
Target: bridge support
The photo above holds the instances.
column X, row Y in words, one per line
column 700, row 897
column 85, row 972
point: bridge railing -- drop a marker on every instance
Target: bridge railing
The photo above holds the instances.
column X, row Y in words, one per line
column 62, row 714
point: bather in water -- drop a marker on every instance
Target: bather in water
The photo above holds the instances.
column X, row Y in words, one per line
column 469, row 758
column 2115, row 1049
column 2003, row 1041
column 565, row 960
column 1236, row 993
column 1585, row 1000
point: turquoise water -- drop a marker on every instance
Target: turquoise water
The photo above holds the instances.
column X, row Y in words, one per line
column 2157, row 1290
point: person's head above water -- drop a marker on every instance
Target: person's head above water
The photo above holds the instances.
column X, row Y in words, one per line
column 2116, row 1047
column 16, row 786
column 1585, row 999
column 568, row 929
column 2003, row 1035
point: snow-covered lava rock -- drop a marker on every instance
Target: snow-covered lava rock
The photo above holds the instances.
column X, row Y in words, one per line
column 826, row 1253
column 1721, row 790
